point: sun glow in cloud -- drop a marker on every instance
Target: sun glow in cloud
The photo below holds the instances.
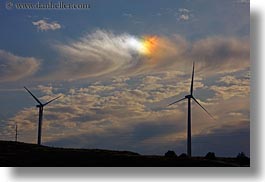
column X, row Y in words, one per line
column 146, row 46
column 150, row 45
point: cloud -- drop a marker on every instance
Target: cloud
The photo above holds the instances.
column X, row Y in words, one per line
column 221, row 55
column 96, row 109
column 44, row 25
column 184, row 17
column 132, row 111
column 96, row 54
column 184, row 10
column 13, row 68
column 243, row 1
column 184, row 14
column 105, row 54
column 232, row 87
column 129, row 15
column 48, row 90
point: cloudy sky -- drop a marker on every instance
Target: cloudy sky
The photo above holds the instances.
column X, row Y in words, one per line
column 118, row 65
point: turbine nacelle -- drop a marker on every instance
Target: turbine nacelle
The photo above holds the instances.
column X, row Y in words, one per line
column 188, row 97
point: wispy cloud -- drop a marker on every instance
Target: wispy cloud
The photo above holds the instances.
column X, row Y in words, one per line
column 129, row 15
column 104, row 53
column 221, row 54
column 44, row 25
column 243, row 1
column 13, row 68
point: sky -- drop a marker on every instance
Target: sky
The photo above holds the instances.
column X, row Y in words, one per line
column 118, row 64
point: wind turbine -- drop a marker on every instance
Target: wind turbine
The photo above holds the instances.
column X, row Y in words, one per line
column 190, row 97
column 40, row 106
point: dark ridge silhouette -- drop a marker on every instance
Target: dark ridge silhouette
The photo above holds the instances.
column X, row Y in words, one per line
column 17, row 154
column 170, row 153
column 210, row 155
column 183, row 156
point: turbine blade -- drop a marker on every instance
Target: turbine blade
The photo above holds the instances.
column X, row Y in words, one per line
column 192, row 79
column 51, row 101
column 33, row 96
column 203, row 108
column 176, row 101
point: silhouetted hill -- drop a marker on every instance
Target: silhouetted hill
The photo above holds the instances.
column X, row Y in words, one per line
column 21, row 154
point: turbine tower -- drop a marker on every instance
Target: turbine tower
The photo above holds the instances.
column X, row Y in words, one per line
column 190, row 97
column 40, row 106
column 16, row 134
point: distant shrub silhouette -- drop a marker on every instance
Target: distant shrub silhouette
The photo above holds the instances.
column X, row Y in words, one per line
column 241, row 155
column 243, row 159
column 170, row 153
column 210, row 155
column 183, row 156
